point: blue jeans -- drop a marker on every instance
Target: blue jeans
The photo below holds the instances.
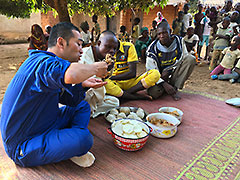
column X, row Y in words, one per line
column 234, row 75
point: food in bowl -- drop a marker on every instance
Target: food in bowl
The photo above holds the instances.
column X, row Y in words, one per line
column 162, row 130
column 125, row 112
column 109, row 59
column 129, row 129
column 129, row 134
column 172, row 111
column 159, row 122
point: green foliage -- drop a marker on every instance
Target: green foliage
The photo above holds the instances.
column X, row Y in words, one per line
column 23, row 8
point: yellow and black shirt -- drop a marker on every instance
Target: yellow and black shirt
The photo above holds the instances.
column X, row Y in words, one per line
column 126, row 53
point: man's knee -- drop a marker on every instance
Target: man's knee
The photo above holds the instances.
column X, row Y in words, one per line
column 85, row 142
column 155, row 91
column 190, row 59
column 152, row 77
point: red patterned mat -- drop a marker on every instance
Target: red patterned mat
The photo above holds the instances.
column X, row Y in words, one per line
column 206, row 146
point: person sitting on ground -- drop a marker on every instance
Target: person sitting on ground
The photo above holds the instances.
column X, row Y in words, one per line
column 37, row 39
column 187, row 18
column 135, row 30
column 197, row 21
column 123, row 36
column 237, row 8
column 206, row 31
column 95, row 33
column 168, row 54
column 35, row 130
column 153, row 31
column 85, row 33
column 222, row 38
column 124, row 82
column 48, row 30
column 191, row 40
column 233, row 22
column 142, row 43
column 177, row 24
column 231, row 55
column 99, row 102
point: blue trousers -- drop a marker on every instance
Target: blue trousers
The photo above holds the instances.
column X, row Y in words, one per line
column 234, row 75
column 70, row 137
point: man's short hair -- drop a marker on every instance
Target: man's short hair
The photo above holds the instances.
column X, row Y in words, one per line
column 163, row 24
column 62, row 29
column 108, row 32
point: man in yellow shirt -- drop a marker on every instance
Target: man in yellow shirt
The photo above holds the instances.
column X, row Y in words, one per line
column 124, row 82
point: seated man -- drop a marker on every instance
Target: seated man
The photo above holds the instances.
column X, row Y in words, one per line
column 124, row 83
column 168, row 54
column 35, row 131
column 107, row 44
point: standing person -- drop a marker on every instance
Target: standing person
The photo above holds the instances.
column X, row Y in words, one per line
column 187, row 18
column 124, row 83
column 142, row 43
column 159, row 17
column 222, row 39
column 227, row 8
column 123, row 36
column 48, row 30
column 99, row 102
column 85, row 33
column 178, row 25
column 153, row 31
column 231, row 56
column 237, row 8
column 214, row 19
column 135, row 30
column 96, row 29
column 206, row 31
column 197, row 21
column 37, row 39
column 35, row 131
column 191, row 40
column 168, row 54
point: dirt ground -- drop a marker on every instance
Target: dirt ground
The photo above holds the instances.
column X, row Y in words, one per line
column 11, row 55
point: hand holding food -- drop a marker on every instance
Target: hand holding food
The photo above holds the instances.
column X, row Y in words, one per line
column 109, row 59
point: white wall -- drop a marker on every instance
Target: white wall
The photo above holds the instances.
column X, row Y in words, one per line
column 18, row 25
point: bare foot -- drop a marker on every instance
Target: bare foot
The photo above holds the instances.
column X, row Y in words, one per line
column 176, row 96
column 143, row 96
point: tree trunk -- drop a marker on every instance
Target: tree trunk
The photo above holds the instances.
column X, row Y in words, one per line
column 61, row 7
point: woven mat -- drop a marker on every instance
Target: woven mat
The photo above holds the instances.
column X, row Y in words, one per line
column 206, row 146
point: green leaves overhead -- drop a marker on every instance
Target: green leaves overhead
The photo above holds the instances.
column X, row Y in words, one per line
column 23, row 8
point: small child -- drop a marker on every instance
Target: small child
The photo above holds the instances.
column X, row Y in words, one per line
column 135, row 30
column 123, row 36
column 206, row 30
column 191, row 40
column 231, row 54
column 153, row 31
column 96, row 29
column 222, row 38
column 86, row 35
column 177, row 24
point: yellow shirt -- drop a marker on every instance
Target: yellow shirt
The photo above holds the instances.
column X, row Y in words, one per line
column 136, row 32
column 126, row 53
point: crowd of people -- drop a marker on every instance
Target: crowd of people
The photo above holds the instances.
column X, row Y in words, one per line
column 36, row 130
